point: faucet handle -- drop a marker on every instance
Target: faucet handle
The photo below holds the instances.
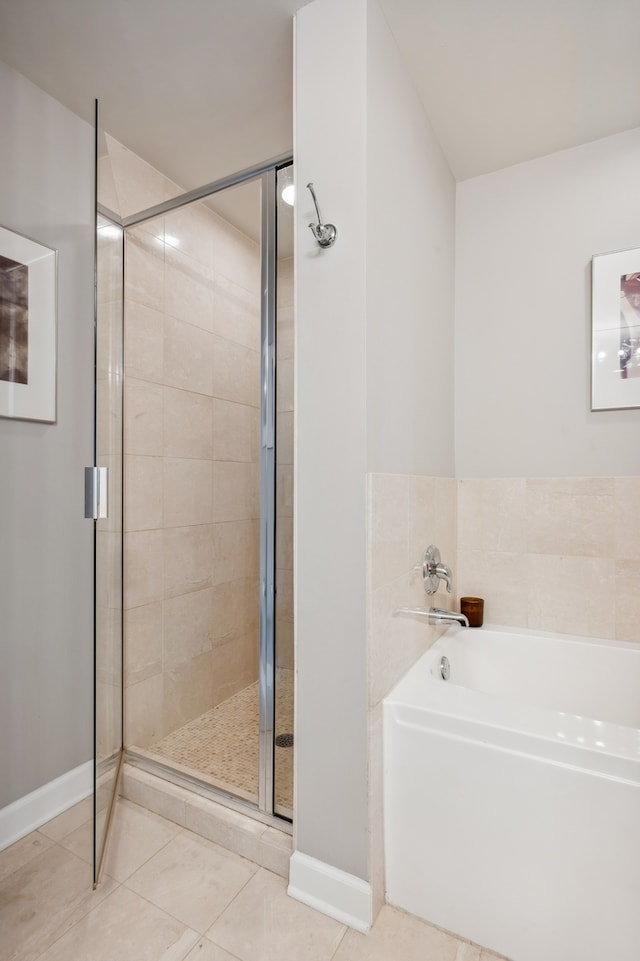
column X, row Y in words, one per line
column 433, row 571
column 444, row 573
column 430, row 563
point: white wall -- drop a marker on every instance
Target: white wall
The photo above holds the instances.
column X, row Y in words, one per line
column 525, row 238
column 330, row 486
column 374, row 321
column 410, row 281
column 46, row 588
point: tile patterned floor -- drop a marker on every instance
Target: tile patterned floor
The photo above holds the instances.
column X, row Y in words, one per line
column 221, row 746
column 170, row 895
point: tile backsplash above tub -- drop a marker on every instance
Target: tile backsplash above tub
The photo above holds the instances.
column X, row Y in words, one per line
column 558, row 554
column 552, row 553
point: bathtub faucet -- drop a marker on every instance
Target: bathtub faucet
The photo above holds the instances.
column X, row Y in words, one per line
column 438, row 616
column 434, row 615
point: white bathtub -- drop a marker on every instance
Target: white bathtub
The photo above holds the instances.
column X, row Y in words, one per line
column 512, row 793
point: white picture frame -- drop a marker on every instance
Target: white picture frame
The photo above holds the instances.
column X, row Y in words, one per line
column 615, row 328
column 28, row 316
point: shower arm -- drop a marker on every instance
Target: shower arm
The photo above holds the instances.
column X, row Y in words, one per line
column 325, row 234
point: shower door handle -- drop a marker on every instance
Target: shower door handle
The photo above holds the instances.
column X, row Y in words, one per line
column 96, row 493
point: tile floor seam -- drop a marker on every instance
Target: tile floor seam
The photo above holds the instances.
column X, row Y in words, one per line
column 180, row 830
column 201, row 934
column 236, row 895
column 338, row 945
column 72, row 927
column 143, row 897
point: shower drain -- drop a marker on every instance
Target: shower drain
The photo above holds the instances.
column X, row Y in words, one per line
column 284, row 740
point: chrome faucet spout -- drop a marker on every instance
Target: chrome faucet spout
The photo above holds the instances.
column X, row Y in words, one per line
column 438, row 616
column 434, row 615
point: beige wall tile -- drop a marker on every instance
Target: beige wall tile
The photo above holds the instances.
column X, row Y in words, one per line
column 144, row 712
column 188, row 424
column 188, row 492
column 236, row 372
column 236, row 491
column 571, row 515
column 138, row 184
column 143, row 642
column 236, row 313
column 144, row 342
column 144, row 276
column 235, row 551
column 144, row 493
column 188, row 230
column 188, row 559
column 284, row 490
column 396, row 642
column 187, row 357
column 188, row 626
column 492, row 514
column 284, row 437
column 236, row 432
column 501, row 578
column 627, row 600
column 187, row 690
column 143, row 568
column 236, row 609
column 286, row 339
column 388, row 528
column 234, row 666
column 284, row 543
column 235, row 256
column 188, row 289
column 573, row 595
column 143, row 418
column 432, row 518
column 108, row 551
column 285, row 650
column 627, row 498
column 285, row 282
column 109, row 418
column 286, row 384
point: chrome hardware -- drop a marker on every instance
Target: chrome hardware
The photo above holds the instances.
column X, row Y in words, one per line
column 434, row 615
column 433, row 571
column 438, row 616
column 96, row 493
column 445, row 668
column 325, row 234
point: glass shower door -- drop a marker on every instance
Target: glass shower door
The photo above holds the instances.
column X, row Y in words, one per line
column 283, row 614
column 105, row 496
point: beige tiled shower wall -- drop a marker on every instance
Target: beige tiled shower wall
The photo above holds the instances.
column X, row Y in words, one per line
column 192, row 346
column 553, row 553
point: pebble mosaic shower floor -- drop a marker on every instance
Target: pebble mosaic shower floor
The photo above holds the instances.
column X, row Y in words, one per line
column 221, row 746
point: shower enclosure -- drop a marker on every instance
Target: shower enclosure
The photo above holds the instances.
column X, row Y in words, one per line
column 208, row 478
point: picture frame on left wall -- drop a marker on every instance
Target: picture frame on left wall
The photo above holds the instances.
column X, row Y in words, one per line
column 28, row 321
column 615, row 327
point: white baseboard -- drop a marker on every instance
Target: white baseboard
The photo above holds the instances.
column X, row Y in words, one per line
column 35, row 809
column 333, row 892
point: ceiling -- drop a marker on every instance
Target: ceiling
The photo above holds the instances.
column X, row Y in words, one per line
column 202, row 88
